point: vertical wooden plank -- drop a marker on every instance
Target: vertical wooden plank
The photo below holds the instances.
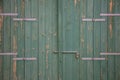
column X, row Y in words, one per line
column 111, row 41
column 97, row 33
column 83, row 39
column 48, row 38
column 7, row 41
column 21, row 40
column 51, row 22
column 75, row 13
column 89, row 39
column 117, row 39
column 13, row 41
column 42, row 39
column 28, row 40
column 1, row 38
column 34, row 42
column 54, row 37
column 67, row 39
column 60, row 39
column 104, row 40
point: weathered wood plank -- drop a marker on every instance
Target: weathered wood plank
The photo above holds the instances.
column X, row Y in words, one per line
column 103, row 30
column 117, row 39
column 83, row 40
column 90, row 40
column 34, row 42
column 7, row 41
column 28, row 40
column 96, row 43
column 1, row 39
column 54, row 37
column 13, row 42
column 21, row 40
column 60, row 39
column 42, row 39
column 111, row 40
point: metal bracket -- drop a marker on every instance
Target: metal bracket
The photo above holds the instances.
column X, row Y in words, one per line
column 112, row 54
column 109, row 14
column 8, row 14
column 93, row 19
column 7, row 54
column 95, row 59
column 69, row 52
column 24, row 19
column 28, row 59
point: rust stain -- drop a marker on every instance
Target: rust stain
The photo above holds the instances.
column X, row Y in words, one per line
column 111, row 5
column 14, row 44
column 14, row 70
column 110, row 28
column 110, row 25
column 14, row 62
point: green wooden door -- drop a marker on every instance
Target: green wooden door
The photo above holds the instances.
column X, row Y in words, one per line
column 59, row 29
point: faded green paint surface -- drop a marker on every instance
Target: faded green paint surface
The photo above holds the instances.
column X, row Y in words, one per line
column 59, row 27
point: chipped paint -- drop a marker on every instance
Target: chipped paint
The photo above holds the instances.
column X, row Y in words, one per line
column 75, row 2
column 14, row 70
column 110, row 28
column 111, row 5
column 110, row 25
column 14, row 44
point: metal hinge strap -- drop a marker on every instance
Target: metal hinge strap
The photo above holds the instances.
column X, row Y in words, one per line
column 7, row 54
column 24, row 19
column 93, row 19
column 25, row 59
column 95, row 59
column 112, row 54
column 109, row 14
column 8, row 14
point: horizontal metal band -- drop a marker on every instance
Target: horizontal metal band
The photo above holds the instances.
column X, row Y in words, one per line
column 7, row 54
column 96, row 59
column 109, row 14
column 66, row 52
column 94, row 20
column 24, row 19
column 8, row 14
column 25, row 59
column 112, row 54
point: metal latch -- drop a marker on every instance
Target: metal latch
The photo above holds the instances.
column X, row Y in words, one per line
column 112, row 54
column 69, row 52
column 109, row 14
column 24, row 19
column 7, row 54
column 93, row 19
column 28, row 59
column 95, row 59
column 8, row 14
